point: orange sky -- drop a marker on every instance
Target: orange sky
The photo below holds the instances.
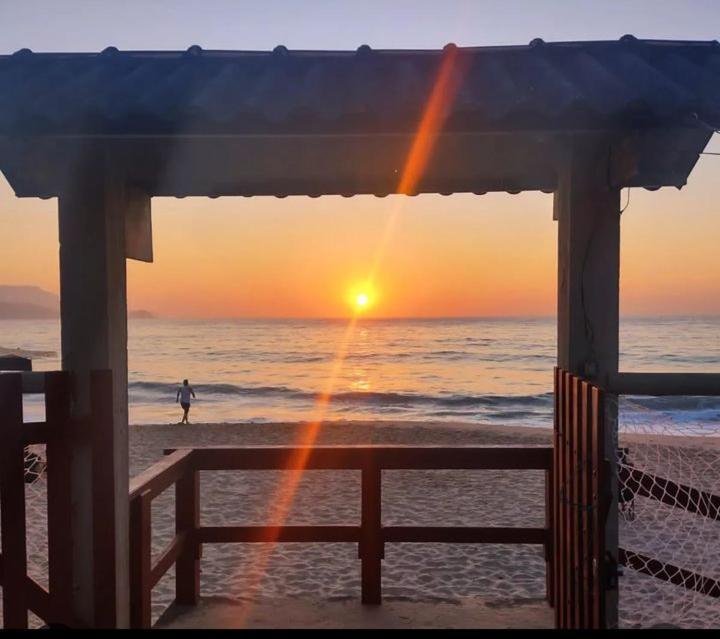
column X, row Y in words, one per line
column 447, row 256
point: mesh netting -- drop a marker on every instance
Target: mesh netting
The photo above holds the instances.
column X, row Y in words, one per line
column 669, row 480
column 36, row 521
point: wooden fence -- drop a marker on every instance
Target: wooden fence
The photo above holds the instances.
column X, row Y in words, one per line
column 61, row 435
column 581, row 501
column 181, row 467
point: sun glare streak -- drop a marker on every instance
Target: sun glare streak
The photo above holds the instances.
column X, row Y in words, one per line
column 441, row 97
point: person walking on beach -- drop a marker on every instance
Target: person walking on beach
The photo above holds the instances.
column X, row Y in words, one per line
column 183, row 394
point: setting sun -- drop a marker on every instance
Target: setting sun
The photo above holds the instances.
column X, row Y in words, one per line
column 361, row 297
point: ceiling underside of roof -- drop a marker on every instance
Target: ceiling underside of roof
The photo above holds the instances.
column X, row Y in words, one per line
column 285, row 122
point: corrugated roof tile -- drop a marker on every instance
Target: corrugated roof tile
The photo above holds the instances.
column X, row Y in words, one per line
column 554, row 85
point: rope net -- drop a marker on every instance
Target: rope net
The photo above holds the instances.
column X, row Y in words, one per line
column 669, row 500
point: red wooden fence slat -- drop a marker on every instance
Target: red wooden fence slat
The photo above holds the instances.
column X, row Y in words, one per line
column 59, row 463
column 598, row 560
column 586, row 499
column 559, row 462
column 580, row 501
column 12, row 503
column 567, row 499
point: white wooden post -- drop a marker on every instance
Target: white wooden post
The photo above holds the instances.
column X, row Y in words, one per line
column 587, row 208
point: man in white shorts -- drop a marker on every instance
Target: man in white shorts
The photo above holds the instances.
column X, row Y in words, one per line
column 183, row 394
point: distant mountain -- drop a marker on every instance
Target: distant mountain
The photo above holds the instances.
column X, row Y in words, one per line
column 140, row 314
column 27, row 311
column 29, row 295
column 32, row 302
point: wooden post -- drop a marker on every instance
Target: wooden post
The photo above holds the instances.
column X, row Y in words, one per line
column 93, row 249
column 59, row 464
column 587, row 208
column 549, row 538
column 12, row 503
column 371, row 544
column 187, row 521
column 140, row 561
column 104, row 515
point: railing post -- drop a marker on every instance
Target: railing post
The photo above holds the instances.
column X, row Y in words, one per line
column 371, row 544
column 140, row 561
column 549, row 532
column 59, row 495
column 187, row 520
column 12, row 503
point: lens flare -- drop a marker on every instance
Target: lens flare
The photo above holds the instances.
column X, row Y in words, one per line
column 441, row 96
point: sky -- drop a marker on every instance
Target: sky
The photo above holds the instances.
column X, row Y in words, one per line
column 463, row 255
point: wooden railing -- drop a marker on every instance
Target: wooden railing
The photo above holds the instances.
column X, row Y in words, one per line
column 581, row 500
column 61, row 434
column 181, row 467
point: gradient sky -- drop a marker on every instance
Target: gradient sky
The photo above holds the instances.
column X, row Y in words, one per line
column 458, row 255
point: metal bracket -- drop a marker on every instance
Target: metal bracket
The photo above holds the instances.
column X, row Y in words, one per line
column 613, row 571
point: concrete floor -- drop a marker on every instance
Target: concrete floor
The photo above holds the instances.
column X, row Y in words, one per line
column 219, row 612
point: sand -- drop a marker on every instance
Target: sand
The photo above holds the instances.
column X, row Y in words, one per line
column 433, row 585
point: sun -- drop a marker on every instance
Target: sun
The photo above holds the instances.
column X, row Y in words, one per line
column 361, row 297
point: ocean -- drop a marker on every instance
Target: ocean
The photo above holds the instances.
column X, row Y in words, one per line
column 471, row 370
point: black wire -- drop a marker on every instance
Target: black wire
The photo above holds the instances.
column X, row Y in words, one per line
column 627, row 203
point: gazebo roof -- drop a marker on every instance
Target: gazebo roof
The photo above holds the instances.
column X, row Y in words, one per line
column 257, row 104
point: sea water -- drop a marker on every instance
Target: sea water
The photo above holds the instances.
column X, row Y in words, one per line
column 496, row 371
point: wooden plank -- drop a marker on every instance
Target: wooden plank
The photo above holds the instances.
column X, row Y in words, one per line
column 12, row 503
column 586, row 501
column 162, row 474
column 667, row 384
column 558, row 491
column 38, row 599
column 282, row 534
column 670, row 573
column 35, row 433
column 59, row 453
column 567, row 504
column 187, row 521
column 668, row 492
column 15, row 363
column 168, row 557
column 549, row 540
column 464, row 535
column 33, row 383
column 138, row 225
column 140, row 561
column 104, row 507
column 600, row 506
column 385, row 457
column 371, row 544
column 576, row 502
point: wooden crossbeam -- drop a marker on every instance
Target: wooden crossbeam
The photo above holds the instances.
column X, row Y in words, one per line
column 669, row 572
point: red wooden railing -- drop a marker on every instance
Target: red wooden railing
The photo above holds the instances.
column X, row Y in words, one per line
column 581, row 501
column 181, row 467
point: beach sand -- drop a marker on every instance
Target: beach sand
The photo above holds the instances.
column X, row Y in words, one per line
column 473, row 585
